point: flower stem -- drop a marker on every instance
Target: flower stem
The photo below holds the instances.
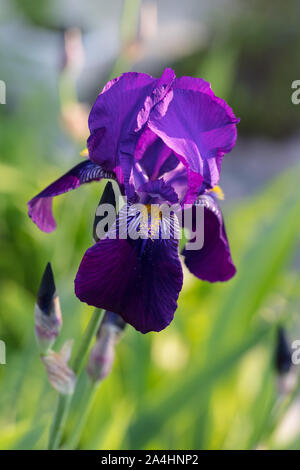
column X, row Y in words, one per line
column 59, row 420
column 88, row 400
column 65, row 400
column 89, row 334
column 281, row 411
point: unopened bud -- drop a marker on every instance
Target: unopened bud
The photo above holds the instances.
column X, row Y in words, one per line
column 283, row 355
column 115, row 321
column 103, row 353
column 48, row 318
column 108, row 197
column 60, row 376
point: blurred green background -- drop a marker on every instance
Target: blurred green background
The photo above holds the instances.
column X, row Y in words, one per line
column 208, row 381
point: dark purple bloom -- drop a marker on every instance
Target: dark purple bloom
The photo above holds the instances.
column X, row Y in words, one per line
column 163, row 141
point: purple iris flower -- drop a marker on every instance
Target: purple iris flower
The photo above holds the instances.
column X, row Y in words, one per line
column 163, row 140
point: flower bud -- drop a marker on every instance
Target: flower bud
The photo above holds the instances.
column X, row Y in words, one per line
column 60, row 376
column 108, row 197
column 283, row 355
column 47, row 313
column 102, row 354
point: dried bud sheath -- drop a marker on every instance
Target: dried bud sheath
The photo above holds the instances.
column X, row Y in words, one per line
column 103, row 353
column 60, row 376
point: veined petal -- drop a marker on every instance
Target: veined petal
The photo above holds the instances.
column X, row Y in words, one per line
column 213, row 261
column 161, row 91
column 114, row 113
column 117, row 118
column 157, row 160
column 138, row 279
column 153, row 155
column 197, row 126
column 123, row 105
column 159, row 191
column 40, row 207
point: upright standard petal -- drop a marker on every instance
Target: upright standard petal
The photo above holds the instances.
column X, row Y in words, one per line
column 138, row 279
column 213, row 261
column 157, row 159
column 154, row 156
column 119, row 110
column 197, row 126
column 117, row 118
column 40, row 207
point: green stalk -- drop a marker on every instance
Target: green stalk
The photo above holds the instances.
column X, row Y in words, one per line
column 59, row 421
column 88, row 400
column 89, row 334
column 65, row 400
column 281, row 411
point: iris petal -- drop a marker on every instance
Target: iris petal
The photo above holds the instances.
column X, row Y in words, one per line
column 159, row 191
column 118, row 115
column 213, row 261
column 40, row 207
column 138, row 279
column 198, row 126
